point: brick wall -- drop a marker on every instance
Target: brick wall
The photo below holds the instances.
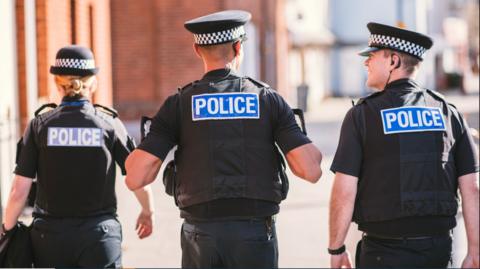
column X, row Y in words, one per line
column 152, row 52
column 21, row 63
column 91, row 29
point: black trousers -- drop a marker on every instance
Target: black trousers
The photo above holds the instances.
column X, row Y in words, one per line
column 77, row 242
column 229, row 244
column 431, row 252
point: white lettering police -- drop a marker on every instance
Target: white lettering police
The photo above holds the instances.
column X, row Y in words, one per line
column 412, row 119
column 222, row 106
column 75, row 137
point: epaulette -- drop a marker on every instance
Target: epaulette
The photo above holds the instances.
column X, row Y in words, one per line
column 440, row 96
column 436, row 94
column 180, row 89
column 258, row 82
column 112, row 112
column 40, row 109
column 361, row 100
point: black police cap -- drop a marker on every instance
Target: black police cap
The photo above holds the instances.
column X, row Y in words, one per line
column 218, row 28
column 388, row 37
column 74, row 60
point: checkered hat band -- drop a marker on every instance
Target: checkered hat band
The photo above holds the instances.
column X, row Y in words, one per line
column 397, row 44
column 219, row 37
column 75, row 63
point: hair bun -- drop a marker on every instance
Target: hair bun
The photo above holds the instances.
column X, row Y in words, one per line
column 77, row 84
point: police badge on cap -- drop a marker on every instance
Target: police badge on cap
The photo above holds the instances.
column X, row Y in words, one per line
column 74, row 61
column 401, row 40
column 218, row 28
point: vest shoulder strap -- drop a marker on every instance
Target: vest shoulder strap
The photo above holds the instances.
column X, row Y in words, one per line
column 258, row 83
column 440, row 97
column 181, row 89
column 361, row 100
column 43, row 107
column 107, row 110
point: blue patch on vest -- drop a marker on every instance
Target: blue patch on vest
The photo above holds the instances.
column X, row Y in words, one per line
column 225, row 106
column 74, row 137
column 410, row 119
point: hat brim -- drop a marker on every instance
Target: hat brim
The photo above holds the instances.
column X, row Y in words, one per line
column 73, row 71
column 366, row 51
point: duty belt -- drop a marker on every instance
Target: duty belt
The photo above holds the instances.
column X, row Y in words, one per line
column 403, row 238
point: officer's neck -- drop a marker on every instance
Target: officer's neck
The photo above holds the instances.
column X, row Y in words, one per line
column 220, row 64
column 66, row 98
column 400, row 74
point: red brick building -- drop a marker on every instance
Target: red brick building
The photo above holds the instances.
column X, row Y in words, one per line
column 31, row 32
column 141, row 42
column 153, row 55
column 58, row 23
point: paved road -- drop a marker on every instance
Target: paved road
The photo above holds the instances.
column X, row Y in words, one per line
column 302, row 223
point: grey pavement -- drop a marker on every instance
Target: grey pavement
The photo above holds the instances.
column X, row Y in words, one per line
column 302, row 224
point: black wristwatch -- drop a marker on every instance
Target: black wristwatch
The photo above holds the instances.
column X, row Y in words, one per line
column 337, row 251
column 3, row 231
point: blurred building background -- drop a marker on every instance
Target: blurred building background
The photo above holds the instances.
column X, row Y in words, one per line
column 153, row 53
column 31, row 32
column 305, row 49
column 324, row 37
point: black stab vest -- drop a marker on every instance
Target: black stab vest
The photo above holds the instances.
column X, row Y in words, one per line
column 75, row 181
column 404, row 174
column 233, row 158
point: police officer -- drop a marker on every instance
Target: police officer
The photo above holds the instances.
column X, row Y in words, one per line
column 72, row 151
column 402, row 154
column 225, row 127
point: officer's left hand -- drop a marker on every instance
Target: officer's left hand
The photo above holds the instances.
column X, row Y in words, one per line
column 144, row 225
column 471, row 261
column 341, row 261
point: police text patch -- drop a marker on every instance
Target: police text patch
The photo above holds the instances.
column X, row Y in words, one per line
column 75, row 137
column 409, row 119
column 223, row 106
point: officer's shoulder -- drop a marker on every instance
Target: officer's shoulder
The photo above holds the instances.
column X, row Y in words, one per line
column 368, row 97
column 436, row 95
column 186, row 87
column 257, row 83
column 45, row 111
column 441, row 97
column 45, row 108
column 106, row 110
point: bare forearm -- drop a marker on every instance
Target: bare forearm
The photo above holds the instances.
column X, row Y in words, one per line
column 470, row 207
column 304, row 161
column 142, row 169
column 341, row 210
column 16, row 200
column 340, row 218
column 145, row 198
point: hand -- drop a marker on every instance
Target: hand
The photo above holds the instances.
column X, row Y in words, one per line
column 471, row 261
column 6, row 229
column 144, row 225
column 3, row 230
column 341, row 261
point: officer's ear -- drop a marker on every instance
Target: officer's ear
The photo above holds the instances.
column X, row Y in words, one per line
column 94, row 86
column 395, row 61
column 196, row 48
column 237, row 46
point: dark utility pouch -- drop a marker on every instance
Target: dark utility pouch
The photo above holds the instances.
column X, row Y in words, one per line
column 282, row 173
column 169, row 178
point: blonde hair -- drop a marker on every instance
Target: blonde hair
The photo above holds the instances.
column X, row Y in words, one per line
column 76, row 85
